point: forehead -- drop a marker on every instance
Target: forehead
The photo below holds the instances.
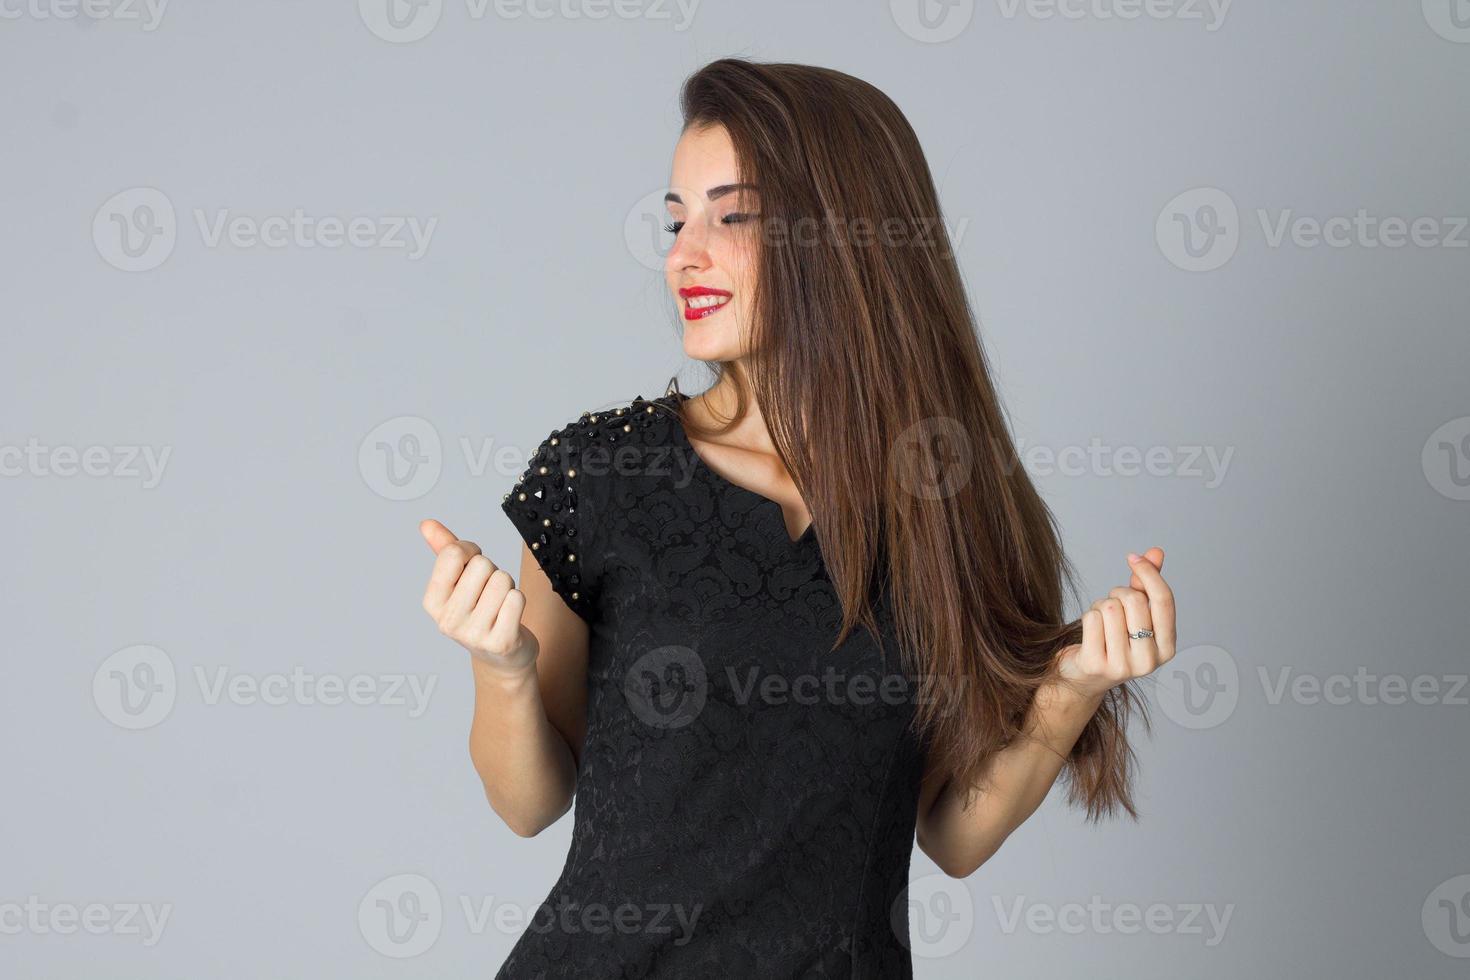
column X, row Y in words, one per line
column 704, row 158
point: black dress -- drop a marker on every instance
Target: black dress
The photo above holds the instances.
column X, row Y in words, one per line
column 746, row 797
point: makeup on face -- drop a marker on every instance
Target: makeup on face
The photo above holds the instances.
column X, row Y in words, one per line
column 702, row 301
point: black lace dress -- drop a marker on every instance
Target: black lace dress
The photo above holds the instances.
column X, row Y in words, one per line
column 746, row 798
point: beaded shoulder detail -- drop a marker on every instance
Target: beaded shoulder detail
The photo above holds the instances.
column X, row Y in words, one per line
column 553, row 505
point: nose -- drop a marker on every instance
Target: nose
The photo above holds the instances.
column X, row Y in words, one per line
column 690, row 250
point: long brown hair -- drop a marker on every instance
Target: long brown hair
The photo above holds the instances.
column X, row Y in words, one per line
column 864, row 348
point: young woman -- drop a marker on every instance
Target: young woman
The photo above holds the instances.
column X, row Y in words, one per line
column 769, row 635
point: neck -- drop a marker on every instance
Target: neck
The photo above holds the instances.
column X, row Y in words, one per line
column 717, row 405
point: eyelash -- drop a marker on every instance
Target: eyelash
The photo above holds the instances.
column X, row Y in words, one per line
column 733, row 218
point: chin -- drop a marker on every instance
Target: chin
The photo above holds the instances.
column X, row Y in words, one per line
column 701, row 347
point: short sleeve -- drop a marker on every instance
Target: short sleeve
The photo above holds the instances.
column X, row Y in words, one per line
column 550, row 508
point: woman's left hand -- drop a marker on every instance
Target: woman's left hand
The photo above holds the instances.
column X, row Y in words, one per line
column 1107, row 655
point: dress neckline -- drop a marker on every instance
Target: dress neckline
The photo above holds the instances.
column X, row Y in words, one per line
column 806, row 536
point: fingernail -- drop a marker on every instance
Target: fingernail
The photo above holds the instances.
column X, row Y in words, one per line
column 1133, row 558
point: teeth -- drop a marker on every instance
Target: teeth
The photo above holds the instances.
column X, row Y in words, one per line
column 701, row 302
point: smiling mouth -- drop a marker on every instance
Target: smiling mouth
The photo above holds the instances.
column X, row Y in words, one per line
column 708, row 304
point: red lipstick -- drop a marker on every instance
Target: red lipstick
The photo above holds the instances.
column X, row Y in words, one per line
column 705, row 307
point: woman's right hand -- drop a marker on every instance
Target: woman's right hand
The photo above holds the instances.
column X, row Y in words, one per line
column 477, row 604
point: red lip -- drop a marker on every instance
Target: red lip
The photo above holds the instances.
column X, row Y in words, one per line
column 689, row 292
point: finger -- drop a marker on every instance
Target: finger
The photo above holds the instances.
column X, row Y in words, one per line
column 482, row 617
column 461, row 602
column 1115, row 635
column 507, row 628
column 1135, row 608
column 436, row 534
column 1143, row 654
column 1160, row 606
column 1094, row 653
column 1155, row 556
column 447, row 567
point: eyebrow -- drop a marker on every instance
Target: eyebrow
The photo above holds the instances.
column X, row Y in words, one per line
column 714, row 193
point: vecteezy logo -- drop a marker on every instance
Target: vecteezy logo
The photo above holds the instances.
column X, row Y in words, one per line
column 401, row 21
column 936, row 913
column 1199, row 688
column 401, row 458
column 136, row 687
column 932, row 21
column 933, row 458
column 667, row 687
column 1199, row 231
column 401, row 916
column 643, row 226
column 1446, row 459
column 1450, row 19
column 135, row 230
column 1446, row 917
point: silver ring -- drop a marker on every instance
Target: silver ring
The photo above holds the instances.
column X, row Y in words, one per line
column 1141, row 635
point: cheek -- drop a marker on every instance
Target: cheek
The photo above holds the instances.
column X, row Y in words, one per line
column 740, row 259
column 745, row 297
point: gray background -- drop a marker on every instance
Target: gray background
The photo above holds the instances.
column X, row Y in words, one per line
column 1336, row 541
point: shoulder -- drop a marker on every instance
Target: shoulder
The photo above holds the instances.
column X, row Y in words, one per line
column 575, row 469
column 603, row 446
column 596, row 434
column 574, row 477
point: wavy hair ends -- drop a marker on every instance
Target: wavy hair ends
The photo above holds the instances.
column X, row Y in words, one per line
column 866, row 363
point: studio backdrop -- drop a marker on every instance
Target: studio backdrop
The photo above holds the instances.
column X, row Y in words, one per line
column 283, row 279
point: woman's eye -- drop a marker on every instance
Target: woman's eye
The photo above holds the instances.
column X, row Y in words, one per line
column 733, row 218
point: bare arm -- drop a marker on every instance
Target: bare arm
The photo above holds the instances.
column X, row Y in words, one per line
column 528, row 655
column 960, row 827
